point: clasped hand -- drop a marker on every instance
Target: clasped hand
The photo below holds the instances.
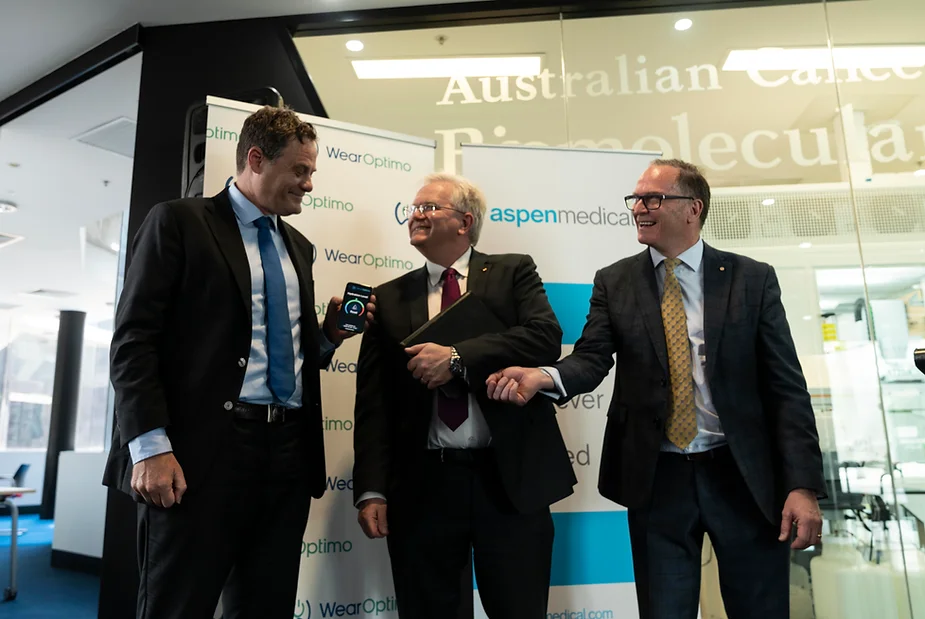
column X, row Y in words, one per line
column 517, row 385
column 430, row 364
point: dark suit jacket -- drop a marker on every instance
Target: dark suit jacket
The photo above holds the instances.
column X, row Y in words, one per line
column 182, row 327
column 752, row 368
column 393, row 409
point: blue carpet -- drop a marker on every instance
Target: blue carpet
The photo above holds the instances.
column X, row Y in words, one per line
column 44, row 592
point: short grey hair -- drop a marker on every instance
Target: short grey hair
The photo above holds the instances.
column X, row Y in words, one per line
column 465, row 197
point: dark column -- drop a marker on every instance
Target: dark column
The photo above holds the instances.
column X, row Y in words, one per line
column 63, row 425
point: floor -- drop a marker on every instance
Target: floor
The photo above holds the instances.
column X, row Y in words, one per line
column 44, row 592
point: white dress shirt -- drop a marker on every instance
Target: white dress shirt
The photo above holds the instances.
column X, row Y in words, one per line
column 473, row 433
column 690, row 277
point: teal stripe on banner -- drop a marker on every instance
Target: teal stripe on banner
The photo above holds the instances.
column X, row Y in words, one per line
column 590, row 548
column 570, row 302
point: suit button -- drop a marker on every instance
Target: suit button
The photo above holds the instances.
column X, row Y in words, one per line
column 241, row 362
column 228, row 406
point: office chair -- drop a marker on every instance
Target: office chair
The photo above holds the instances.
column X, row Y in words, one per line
column 17, row 480
column 18, row 477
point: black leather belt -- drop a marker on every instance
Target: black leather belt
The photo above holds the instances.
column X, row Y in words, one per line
column 458, row 456
column 267, row 413
column 704, row 456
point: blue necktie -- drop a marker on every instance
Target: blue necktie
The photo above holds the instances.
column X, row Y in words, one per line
column 281, row 373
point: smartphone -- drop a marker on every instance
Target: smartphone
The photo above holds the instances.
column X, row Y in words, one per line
column 352, row 314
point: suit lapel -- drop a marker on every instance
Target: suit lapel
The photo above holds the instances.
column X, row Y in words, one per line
column 646, row 290
column 479, row 272
column 717, row 281
column 415, row 297
column 224, row 227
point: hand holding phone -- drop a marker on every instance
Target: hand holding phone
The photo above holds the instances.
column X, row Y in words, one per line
column 352, row 314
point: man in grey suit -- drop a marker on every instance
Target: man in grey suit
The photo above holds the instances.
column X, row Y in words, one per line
column 710, row 429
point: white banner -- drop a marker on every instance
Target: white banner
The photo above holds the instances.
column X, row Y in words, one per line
column 565, row 208
column 353, row 217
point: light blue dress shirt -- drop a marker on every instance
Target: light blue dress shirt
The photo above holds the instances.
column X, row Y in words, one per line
column 255, row 388
column 690, row 276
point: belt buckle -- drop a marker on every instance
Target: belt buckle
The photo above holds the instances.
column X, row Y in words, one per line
column 275, row 413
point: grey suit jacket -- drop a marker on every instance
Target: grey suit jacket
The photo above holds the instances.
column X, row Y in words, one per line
column 752, row 368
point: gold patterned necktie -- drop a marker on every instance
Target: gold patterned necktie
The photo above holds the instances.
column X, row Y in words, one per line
column 682, row 421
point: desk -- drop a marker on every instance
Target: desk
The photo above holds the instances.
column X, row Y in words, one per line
column 6, row 498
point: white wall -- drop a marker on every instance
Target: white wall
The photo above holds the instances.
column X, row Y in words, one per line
column 10, row 461
column 80, row 504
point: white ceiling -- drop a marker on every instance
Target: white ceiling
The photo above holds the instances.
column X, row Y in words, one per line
column 68, row 194
column 71, row 196
column 42, row 35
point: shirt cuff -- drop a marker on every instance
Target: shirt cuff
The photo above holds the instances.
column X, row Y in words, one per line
column 368, row 495
column 149, row 444
column 325, row 345
column 553, row 373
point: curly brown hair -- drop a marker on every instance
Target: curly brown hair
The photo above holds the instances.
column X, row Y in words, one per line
column 270, row 129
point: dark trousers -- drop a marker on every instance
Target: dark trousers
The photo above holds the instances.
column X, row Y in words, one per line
column 241, row 530
column 459, row 509
column 691, row 498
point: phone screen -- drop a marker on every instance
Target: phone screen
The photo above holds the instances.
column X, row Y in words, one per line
column 352, row 315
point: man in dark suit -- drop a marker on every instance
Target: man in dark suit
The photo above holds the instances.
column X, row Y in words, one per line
column 440, row 469
column 216, row 354
column 710, row 429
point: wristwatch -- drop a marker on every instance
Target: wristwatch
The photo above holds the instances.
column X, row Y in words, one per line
column 456, row 365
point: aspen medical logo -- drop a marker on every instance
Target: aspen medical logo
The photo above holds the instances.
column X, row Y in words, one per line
column 367, row 159
column 583, row 613
column 524, row 217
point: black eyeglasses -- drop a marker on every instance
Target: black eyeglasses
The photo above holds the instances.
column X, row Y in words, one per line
column 427, row 208
column 652, row 201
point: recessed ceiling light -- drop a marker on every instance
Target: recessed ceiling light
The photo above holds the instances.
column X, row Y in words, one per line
column 767, row 202
column 919, row 172
column 683, row 24
column 7, row 207
column 805, row 245
column 355, row 46
column 807, row 317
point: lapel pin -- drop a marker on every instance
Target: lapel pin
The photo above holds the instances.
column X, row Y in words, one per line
column 484, row 269
column 722, row 268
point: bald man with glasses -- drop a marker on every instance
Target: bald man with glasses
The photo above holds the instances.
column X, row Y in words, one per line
column 442, row 472
column 710, row 429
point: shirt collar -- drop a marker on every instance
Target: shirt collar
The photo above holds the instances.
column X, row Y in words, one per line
column 692, row 257
column 245, row 211
column 435, row 271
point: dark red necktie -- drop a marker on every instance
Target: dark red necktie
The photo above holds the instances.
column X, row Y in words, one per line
column 452, row 411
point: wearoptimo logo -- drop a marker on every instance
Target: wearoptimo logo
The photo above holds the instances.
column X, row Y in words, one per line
column 324, row 546
column 369, row 159
column 523, row 216
column 326, row 203
column 584, row 613
column 368, row 259
column 303, row 610
column 221, row 133
column 370, row 607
